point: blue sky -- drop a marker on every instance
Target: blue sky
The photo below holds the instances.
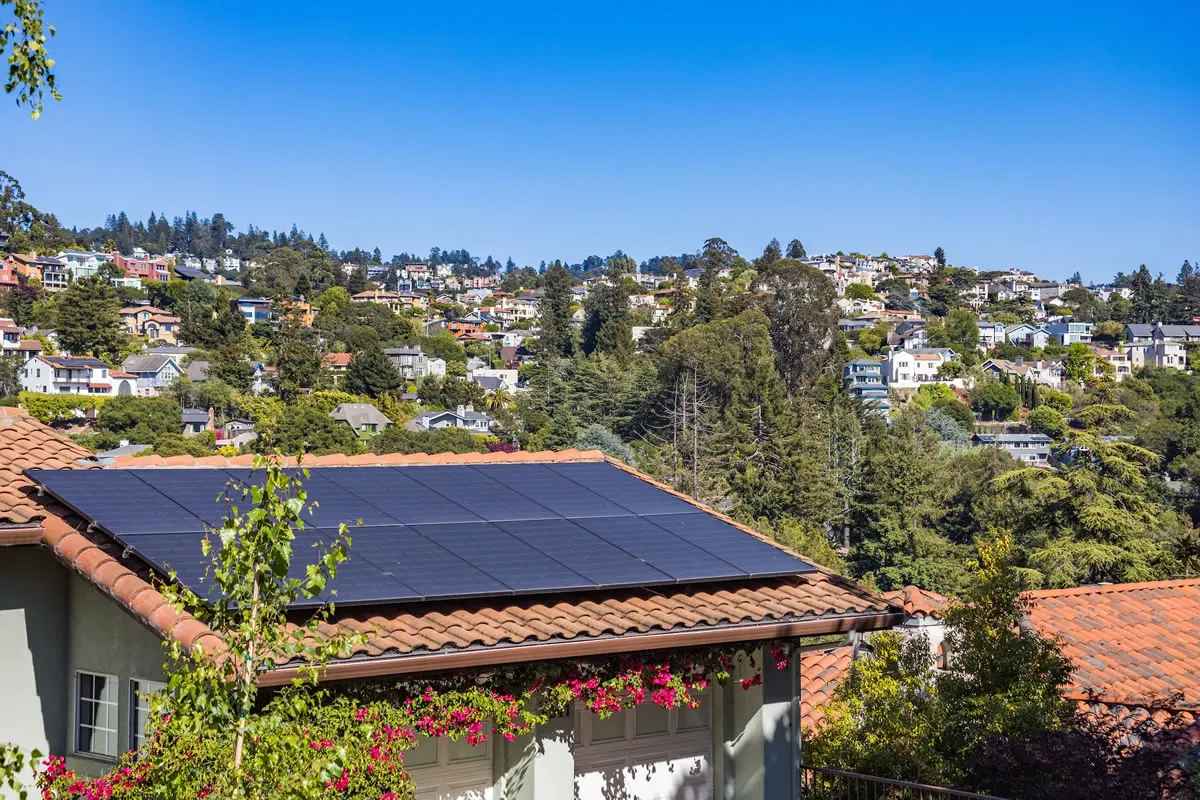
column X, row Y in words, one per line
column 1054, row 136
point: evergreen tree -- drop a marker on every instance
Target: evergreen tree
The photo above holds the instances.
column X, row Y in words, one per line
column 554, row 338
column 1075, row 278
column 1143, row 296
column 371, row 373
column 356, row 281
column 939, row 255
column 303, row 287
column 322, row 242
column 1185, row 272
column 607, row 328
column 717, row 256
column 796, row 250
column 771, row 253
column 88, row 320
column 297, row 359
column 803, row 323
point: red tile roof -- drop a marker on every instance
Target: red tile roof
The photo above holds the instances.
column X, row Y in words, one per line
column 1130, row 642
column 25, row 443
column 495, row 630
column 820, row 673
column 918, row 603
column 337, row 359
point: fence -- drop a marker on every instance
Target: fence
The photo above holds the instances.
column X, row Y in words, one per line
column 821, row 783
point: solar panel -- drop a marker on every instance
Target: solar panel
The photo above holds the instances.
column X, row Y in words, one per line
column 504, row 557
column 666, row 551
column 428, row 568
column 743, row 551
column 434, row 532
column 404, row 499
column 548, row 488
column 628, row 491
column 479, row 494
column 118, row 501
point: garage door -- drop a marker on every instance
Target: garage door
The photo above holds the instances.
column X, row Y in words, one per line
column 446, row 770
column 648, row 753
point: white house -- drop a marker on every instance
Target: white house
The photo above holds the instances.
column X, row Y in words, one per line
column 1157, row 354
column 1027, row 334
column 413, row 364
column 153, row 372
column 990, row 334
column 908, row 369
column 465, row 417
column 75, row 375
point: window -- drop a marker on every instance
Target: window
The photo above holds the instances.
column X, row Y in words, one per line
column 96, row 708
column 139, row 705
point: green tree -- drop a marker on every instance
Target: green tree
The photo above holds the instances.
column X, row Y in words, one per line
column 796, row 250
column 607, row 328
column 554, row 309
column 303, row 430
column 1047, row 420
column 1144, row 307
column 397, row 439
column 1079, row 363
column 715, row 257
column 140, row 419
column 959, row 332
column 10, row 375
column 771, row 253
column 88, row 321
column 859, row 291
column 803, row 323
column 597, row 437
column 23, row 44
column 371, row 373
column 994, row 399
column 298, row 360
column 939, row 255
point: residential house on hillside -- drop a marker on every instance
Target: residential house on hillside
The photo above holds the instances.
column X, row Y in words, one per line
column 1027, row 334
column 909, row 369
column 75, row 375
column 1069, row 333
column 36, row 267
column 863, row 379
column 144, row 267
column 910, row 336
column 337, row 364
column 1032, row 449
column 152, row 323
column 464, row 417
column 9, row 278
column 1047, row 372
column 83, row 263
column 1119, row 360
column 582, row 578
column 991, row 334
column 1171, row 355
column 1158, row 332
column 853, row 325
column 153, row 372
column 413, row 364
column 363, row 418
column 253, row 309
column 196, row 421
column 389, row 299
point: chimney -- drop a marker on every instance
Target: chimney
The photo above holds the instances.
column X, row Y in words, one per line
column 124, row 443
column 471, row 408
column 212, row 419
column 1020, row 362
column 462, row 411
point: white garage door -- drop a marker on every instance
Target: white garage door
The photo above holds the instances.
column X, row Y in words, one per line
column 447, row 770
column 648, row 753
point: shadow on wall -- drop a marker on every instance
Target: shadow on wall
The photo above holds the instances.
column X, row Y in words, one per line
column 684, row 779
column 34, row 684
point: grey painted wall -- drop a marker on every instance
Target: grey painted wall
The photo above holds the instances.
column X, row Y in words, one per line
column 33, row 650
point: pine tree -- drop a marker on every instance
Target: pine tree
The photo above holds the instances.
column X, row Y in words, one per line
column 771, row 253
column 356, row 281
column 88, row 320
column 554, row 340
column 796, row 250
column 940, row 256
column 1185, row 272
column 371, row 373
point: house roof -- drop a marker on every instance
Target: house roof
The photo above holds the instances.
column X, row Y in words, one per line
column 337, row 359
column 153, row 362
column 32, row 345
column 75, row 362
column 918, row 603
column 25, row 442
column 820, row 672
column 463, row 633
column 197, row 371
column 359, row 414
column 1130, row 642
column 194, row 415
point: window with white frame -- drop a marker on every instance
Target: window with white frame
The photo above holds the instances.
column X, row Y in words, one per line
column 139, row 709
column 96, row 711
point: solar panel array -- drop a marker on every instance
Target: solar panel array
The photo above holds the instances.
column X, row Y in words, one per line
column 437, row 532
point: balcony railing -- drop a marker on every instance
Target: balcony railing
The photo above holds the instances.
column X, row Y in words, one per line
column 821, row 783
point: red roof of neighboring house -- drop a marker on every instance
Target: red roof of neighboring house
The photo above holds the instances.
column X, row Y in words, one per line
column 30, row 344
column 24, row 443
column 99, row 386
column 1130, row 642
column 918, row 603
column 476, row 632
column 115, row 374
column 337, row 359
column 820, row 672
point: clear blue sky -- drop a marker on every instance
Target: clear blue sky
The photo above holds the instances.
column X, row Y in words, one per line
column 1054, row 136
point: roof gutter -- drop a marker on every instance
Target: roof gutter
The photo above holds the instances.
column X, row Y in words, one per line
column 547, row 651
column 15, row 535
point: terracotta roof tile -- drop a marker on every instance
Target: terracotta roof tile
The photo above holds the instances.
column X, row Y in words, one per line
column 1131, row 643
column 918, row 603
column 25, row 443
column 820, row 672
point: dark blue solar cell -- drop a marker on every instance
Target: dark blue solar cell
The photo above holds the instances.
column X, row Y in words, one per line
column 180, row 552
column 358, row 580
column 335, row 504
column 599, row 561
column 628, row 491
column 200, row 491
column 478, row 493
column 662, row 550
column 118, row 501
column 744, row 551
column 504, row 557
column 547, row 488
column 430, row 569
column 402, row 498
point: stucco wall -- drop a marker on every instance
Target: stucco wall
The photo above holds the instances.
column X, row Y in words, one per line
column 33, row 650
column 103, row 638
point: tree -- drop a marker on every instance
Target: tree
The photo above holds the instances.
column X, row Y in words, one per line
column 1144, row 306
column 371, row 373
column 10, row 375
column 356, row 281
column 715, row 257
column 995, row 399
column 607, row 328
column 303, row 430
column 1075, row 278
column 597, row 437
column 939, row 255
column 859, row 291
column 23, row 43
column 298, row 362
column 771, row 253
column 396, row 439
column 1079, row 363
column 1047, row 420
column 140, row 419
column 959, row 332
column 796, row 250
column 803, row 322
column 88, row 320
column 554, row 314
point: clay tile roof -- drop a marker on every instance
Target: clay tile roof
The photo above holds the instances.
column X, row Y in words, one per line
column 918, row 603
column 820, row 672
column 25, row 442
column 1131, row 643
column 337, row 359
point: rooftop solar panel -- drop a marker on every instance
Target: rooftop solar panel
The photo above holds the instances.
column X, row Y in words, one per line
column 743, row 551
column 434, row 532
column 666, row 551
column 505, row 558
column 628, row 491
